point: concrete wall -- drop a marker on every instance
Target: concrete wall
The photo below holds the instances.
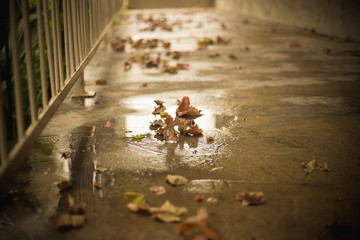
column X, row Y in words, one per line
column 133, row 4
column 334, row 17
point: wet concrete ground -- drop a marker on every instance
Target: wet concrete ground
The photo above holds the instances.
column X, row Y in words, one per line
column 269, row 110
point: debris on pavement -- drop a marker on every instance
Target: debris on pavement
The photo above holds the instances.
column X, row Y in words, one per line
column 209, row 139
column 251, row 198
column 199, row 197
column 138, row 137
column 199, row 223
column 158, row 190
column 294, row 45
column 232, row 56
column 101, row 82
column 137, row 202
column 168, row 213
column 176, row 180
column 313, row 165
column 212, row 200
column 100, row 169
column 106, row 124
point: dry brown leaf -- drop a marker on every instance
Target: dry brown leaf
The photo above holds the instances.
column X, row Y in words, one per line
column 251, row 198
column 159, row 109
column 186, row 227
column 185, row 109
column 101, row 82
column 199, row 197
column 176, row 180
column 214, row 55
column 232, row 56
column 64, row 184
column 182, row 66
column 294, row 45
column 168, row 132
column 159, row 102
column 107, row 124
column 158, row 190
column 168, row 212
column 220, row 40
column 194, row 130
column 209, row 139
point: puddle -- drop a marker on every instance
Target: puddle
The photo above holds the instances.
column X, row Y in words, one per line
column 135, row 124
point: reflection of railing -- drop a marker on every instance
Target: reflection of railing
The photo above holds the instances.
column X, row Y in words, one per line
column 68, row 34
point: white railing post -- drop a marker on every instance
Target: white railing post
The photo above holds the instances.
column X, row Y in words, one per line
column 85, row 24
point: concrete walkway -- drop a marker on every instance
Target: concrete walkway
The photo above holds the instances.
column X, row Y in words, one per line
column 273, row 98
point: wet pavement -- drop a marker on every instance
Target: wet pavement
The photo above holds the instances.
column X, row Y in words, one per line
column 290, row 96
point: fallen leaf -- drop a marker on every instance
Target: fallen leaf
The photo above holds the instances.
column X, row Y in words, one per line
column 220, row 40
column 159, row 110
column 294, row 45
column 209, row 139
column 170, row 69
column 251, row 198
column 168, row 212
column 212, row 200
column 199, row 197
column 138, row 137
column 100, row 169
column 205, row 41
column 310, row 166
column 158, row 122
column 159, row 102
column 194, row 130
column 182, row 66
column 168, row 132
column 101, row 82
column 214, row 55
column 232, row 56
column 185, row 109
column 141, row 208
column 176, row 180
column 107, row 124
column 127, row 65
column 158, row 190
column 64, row 184
column 134, row 197
column 313, row 165
column 245, row 49
column 199, row 222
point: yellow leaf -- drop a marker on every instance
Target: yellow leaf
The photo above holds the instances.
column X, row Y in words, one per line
column 176, row 180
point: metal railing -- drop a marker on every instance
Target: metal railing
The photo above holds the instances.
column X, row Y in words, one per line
column 68, row 34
